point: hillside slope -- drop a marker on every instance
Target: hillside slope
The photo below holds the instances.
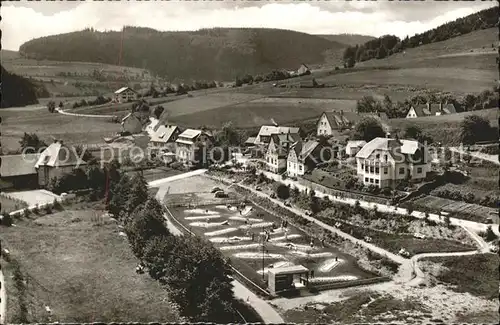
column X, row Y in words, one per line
column 348, row 39
column 18, row 91
column 220, row 54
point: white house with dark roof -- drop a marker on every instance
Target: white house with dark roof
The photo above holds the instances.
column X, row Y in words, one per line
column 191, row 145
column 304, row 156
column 56, row 161
column 265, row 132
column 385, row 162
column 125, row 94
column 277, row 151
column 163, row 138
column 429, row 109
column 331, row 122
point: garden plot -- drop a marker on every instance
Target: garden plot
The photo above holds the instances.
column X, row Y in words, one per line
column 259, row 241
column 448, row 205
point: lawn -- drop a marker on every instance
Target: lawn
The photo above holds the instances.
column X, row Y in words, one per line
column 8, row 205
column 475, row 274
column 156, row 173
column 82, row 268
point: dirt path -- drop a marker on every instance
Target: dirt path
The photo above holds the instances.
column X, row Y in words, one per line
column 3, row 299
column 60, row 111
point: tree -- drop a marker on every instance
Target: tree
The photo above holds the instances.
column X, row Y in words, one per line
column 474, row 128
column 61, row 105
column 368, row 104
column 350, row 62
column 119, row 196
column 30, row 143
column 228, row 136
column 282, row 191
column 238, row 82
column 51, row 106
column 368, row 129
column 381, row 52
column 144, row 224
column 138, row 193
column 158, row 110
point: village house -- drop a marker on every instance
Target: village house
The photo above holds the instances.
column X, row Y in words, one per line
column 125, row 94
column 304, row 156
column 353, row 147
column 56, row 161
column 330, row 123
column 153, row 124
column 18, row 171
column 428, row 109
column 303, row 70
column 265, row 132
column 277, row 151
column 163, row 138
column 386, row 162
column 131, row 123
column 193, row 147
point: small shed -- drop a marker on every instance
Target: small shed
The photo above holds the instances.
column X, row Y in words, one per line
column 287, row 278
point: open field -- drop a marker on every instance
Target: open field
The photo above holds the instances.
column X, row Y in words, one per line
column 73, row 130
column 475, row 274
column 444, row 128
column 443, row 79
column 82, row 268
column 261, row 111
column 454, row 52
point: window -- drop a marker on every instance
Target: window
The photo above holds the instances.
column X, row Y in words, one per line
column 300, row 167
column 371, row 169
column 366, row 169
column 377, row 170
column 385, row 170
column 377, row 156
column 376, row 181
column 419, row 170
column 294, row 166
column 362, row 166
column 371, row 180
column 401, row 170
column 366, row 179
column 385, row 157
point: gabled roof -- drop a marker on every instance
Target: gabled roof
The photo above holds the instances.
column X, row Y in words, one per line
column 304, row 149
column 190, row 133
column 18, row 165
column 250, row 140
column 432, row 109
column 130, row 115
column 267, row 130
column 281, row 139
column 163, row 133
column 119, row 91
column 408, row 147
column 58, row 155
column 449, row 109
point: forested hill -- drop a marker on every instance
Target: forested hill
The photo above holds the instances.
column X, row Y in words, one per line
column 348, row 39
column 384, row 46
column 18, row 91
column 207, row 54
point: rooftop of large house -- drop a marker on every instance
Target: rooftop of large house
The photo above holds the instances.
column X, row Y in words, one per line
column 432, row 109
column 407, row 147
column 345, row 119
column 122, row 89
column 18, row 165
column 267, row 130
column 190, row 134
column 304, row 149
column 59, row 155
column 163, row 133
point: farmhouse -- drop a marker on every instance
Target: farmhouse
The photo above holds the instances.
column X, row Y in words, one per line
column 353, row 147
column 428, row 109
column 56, row 161
column 193, row 146
column 265, row 132
column 303, row 70
column 304, row 156
column 331, row 122
column 125, row 94
column 385, row 162
column 163, row 138
column 131, row 123
column 18, row 171
column 277, row 151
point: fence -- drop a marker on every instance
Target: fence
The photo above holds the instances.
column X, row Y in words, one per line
column 342, row 193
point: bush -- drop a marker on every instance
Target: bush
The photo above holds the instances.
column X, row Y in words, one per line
column 36, row 209
column 48, row 209
column 6, row 219
column 26, row 213
column 283, row 191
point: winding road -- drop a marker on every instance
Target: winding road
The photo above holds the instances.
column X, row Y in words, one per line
column 63, row 112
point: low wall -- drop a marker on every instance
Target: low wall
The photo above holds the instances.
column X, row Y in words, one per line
column 346, row 284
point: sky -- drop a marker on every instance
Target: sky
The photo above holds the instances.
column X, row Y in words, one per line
column 23, row 20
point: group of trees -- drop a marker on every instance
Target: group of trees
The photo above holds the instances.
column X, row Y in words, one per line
column 19, row 91
column 31, row 143
column 474, row 128
column 368, row 129
column 100, row 100
column 194, row 272
column 388, row 44
column 274, row 75
column 486, row 99
column 468, row 197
